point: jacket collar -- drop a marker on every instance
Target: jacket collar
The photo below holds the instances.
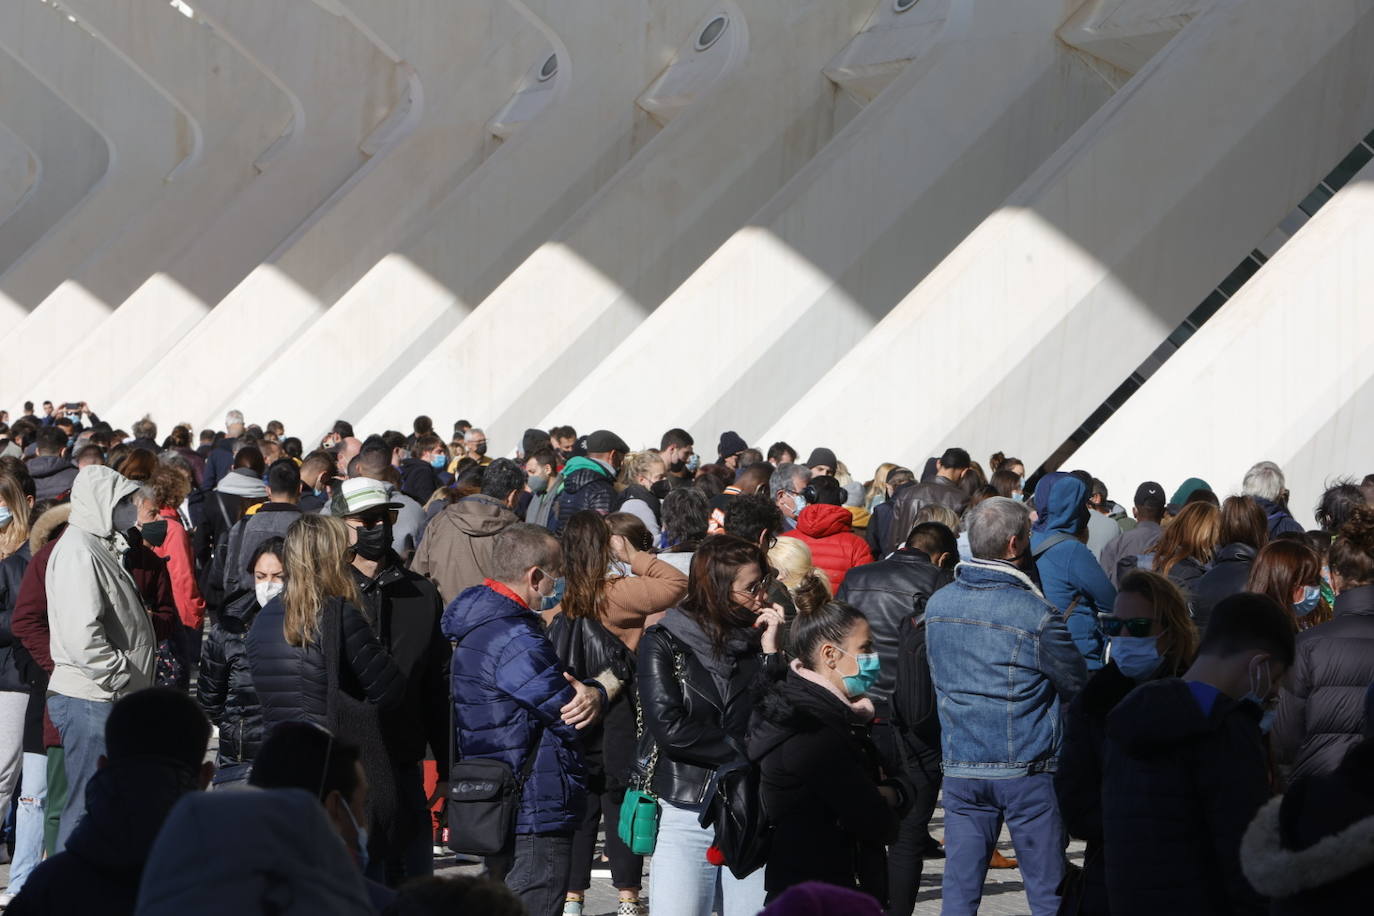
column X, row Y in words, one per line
column 976, row 570
column 1358, row 600
column 504, row 592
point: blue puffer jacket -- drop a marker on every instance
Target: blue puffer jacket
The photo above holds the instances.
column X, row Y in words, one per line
column 1068, row 570
column 507, row 681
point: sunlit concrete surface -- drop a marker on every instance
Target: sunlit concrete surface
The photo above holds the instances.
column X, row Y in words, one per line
column 748, row 85
column 1049, row 304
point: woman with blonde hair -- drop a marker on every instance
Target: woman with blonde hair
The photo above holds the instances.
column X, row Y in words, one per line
column 1151, row 636
column 1185, row 550
column 15, row 506
column 876, row 492
column 791, row 559
column 315, row 658
column 642, row 485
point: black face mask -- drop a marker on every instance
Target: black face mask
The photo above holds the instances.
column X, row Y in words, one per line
column 373, row 543
column 154, row 533
column 661, row 489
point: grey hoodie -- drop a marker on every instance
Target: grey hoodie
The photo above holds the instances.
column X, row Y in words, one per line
column 103, row 645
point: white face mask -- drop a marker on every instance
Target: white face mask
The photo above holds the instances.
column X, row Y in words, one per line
column 267, row 591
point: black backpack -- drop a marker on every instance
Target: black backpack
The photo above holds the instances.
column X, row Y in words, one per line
column 914, row 710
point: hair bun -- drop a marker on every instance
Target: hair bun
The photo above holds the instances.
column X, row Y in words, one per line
column 811, row 593
column 1359, row 529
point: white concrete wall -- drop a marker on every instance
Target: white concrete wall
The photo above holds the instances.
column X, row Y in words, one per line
column 764, row 101
column 235, row 113
column 1049, row 304
column 990, row 93
column 69, row 156
column 146, row 134
column 214, row 305
column 1283, row 372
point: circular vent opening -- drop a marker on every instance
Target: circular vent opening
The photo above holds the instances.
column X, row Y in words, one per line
column 711, row 34
column 550, row 67
column 902, row 6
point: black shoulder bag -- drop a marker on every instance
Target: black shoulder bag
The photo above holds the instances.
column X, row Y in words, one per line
column 484, row 797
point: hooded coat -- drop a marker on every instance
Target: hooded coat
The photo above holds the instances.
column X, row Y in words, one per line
column 508, row 688
column 52, row 476
column 1180, row 786
column 455, row 553
column 1069, row 573
column 819, row 776
column 101, row 867
column 835, row 548
column 102, row 639
column 587, row 484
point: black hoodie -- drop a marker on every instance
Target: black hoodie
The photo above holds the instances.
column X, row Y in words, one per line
column 1179, row 789
column 820, row 789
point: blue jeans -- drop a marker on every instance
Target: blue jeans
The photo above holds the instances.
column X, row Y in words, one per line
column 683, row 883
column 81, row 723
column 28, row 829
column 974, row 809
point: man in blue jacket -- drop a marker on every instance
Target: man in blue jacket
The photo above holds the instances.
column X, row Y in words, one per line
column 1004, row 667
column 1070, row 575
column 511, row 695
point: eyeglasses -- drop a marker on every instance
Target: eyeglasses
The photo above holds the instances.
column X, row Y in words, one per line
column 1135, row 626
column 760, row 588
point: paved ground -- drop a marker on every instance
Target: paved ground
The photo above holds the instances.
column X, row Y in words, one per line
column 1003, row 895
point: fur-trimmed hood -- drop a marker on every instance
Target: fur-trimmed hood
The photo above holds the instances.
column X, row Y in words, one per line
column 1278, row 872
column 48, row 525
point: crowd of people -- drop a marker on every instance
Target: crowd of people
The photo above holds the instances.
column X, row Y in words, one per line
column 762, row 672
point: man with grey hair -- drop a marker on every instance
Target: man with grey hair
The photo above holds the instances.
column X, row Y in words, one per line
column 1264, row 482
column 513, row 702
column 220, row 461
column 786, row 486
column 475, row 443
column 1004, row 667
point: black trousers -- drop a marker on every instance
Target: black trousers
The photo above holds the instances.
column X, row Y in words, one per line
column 905, row 857
column 627, row 869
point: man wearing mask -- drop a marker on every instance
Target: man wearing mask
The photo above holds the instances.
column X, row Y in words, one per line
column 102, row 640
column 728, row 449
column 405, row 609
column 786, row 486
column 475, row 441
column 316, row 473
column 422, row 471
column 542, row 482
column 589, row 483
column 678, row 450
column 563, row 438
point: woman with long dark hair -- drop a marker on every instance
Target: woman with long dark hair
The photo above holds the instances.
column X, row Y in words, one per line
column 611, row 587
column 701, row 672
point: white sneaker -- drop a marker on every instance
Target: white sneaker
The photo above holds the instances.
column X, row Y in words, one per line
column 572, row 908
column 5, row 900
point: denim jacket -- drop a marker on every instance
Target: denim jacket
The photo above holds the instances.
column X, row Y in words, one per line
column 1004, row 667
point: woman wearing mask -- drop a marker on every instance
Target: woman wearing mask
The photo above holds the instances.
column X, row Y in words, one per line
column 162, row 530
column 1289, row 571
column 314, row 657
column 225, row 689
column 700, row 672
column 1320, row 715
column 643, row 484
column 598, row 590
column 819, row 772
column 1151, row 636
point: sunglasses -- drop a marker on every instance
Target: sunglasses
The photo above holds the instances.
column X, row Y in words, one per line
column 1136, row 626
column 759, row 589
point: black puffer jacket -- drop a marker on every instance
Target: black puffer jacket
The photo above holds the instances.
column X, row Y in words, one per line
column 18, row 673
column 586, row 485
column 225, row 689
column 888, row 591
column 1179, row 788
column 291, row 681
column 696, row 725
column 1321, row 708
column 102, row 865
column 1228, row 575
column 1312, row 850
column 819, row 779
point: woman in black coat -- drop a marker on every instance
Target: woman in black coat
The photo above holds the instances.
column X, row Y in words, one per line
column 819, row 773
column 1151, row 637
column 225, row 690
column 700, row 674
column 1244, row 530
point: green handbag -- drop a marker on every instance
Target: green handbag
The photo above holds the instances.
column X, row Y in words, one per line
column 639, row 811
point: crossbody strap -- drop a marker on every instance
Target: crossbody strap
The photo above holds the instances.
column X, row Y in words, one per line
column 455, row 750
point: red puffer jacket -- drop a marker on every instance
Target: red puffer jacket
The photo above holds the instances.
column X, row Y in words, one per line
column 835, row 548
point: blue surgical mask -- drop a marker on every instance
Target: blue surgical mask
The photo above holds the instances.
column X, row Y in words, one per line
column 1019, row 496
column 439, row 461
column 800, row 502
column 693, row 463
column 5, row 516
column 1136, row 656
column 555, row 597
column 1311, row 597
column 856, row 685
column 362, row 837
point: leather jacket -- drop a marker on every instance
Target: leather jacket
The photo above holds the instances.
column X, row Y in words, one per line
column 696, row 731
